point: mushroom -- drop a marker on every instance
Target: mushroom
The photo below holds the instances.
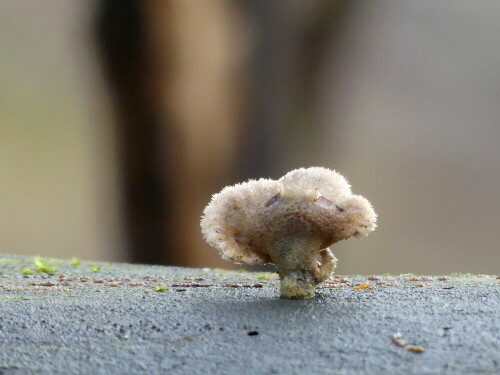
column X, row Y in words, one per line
column 290, row 222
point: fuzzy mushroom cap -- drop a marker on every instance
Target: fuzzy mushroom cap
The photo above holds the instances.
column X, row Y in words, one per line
column 246, row 221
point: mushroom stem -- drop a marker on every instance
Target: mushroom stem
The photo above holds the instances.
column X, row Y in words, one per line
column 297, row 284
column 296, row 262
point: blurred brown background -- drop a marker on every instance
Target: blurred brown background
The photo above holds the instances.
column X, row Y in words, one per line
column 120, row 118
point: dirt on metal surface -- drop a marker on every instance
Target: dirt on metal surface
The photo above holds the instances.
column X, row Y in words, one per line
column 126, row 319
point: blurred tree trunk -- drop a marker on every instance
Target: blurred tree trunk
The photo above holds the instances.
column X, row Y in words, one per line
column 175, row 72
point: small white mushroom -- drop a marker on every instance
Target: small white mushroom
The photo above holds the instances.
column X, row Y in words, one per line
column 290, row 223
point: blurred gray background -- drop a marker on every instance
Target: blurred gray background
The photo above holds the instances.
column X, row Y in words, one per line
column 119, row 119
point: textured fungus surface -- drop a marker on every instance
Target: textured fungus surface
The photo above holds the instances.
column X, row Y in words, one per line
column 205, row 321
column 290, row 223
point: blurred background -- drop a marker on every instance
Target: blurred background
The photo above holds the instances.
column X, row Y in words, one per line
column 120, row 118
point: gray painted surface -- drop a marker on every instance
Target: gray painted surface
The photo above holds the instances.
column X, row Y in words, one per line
column 220, row 329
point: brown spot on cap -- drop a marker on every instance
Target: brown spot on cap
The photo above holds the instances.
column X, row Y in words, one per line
column 273, row 200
